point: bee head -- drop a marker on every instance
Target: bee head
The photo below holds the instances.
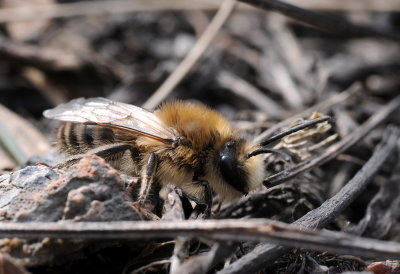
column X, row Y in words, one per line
column 236, row 169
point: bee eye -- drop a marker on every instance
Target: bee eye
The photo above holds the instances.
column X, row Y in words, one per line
column 226, row 165
column 229, row 168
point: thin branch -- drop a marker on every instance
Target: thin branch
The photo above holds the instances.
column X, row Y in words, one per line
column 152, row 264
column 246, row 90
column 226, row 230
column 330, row 209
column 193, row 56
column 325, row 22
column 294, row 58
column 109, row 7
column 321, row 106
column 350, row 5
column 90, row 8
column 333, row 206
column 304, row 125
column 203, row 262
column 382, row 212
column 334, row 150
column 42, row 58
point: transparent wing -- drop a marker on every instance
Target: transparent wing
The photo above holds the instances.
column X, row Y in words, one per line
column 104, row 112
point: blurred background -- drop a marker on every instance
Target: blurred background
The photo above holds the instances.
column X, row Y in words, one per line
column 257, row 67
column 262, row 68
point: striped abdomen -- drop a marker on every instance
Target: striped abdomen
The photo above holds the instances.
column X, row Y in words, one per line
column 75, row 138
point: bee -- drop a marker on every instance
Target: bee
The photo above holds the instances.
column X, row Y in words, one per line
column 181, row 143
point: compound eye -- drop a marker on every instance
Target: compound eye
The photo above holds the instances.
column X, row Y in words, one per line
column 226, row 166
column 229, row 169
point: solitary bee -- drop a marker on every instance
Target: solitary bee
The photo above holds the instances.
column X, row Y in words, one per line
column 181, row 143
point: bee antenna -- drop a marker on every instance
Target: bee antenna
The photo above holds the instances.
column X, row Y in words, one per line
column 284, row 155
column 294, row 129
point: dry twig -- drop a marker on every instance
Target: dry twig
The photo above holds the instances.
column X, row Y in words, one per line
column 350, row 5
column 42, row 58
column 93, row 8
column 150, row 265
column 321, row 106
column 334, row 150
column 226, row 230
column 325, row 22
column 191, row 58
column 246, row 90
column 382, row 212
column 203, row 262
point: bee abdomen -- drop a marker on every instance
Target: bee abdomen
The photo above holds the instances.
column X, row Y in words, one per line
column 79, row 138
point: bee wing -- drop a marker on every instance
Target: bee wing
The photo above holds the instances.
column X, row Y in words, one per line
column 104, row 112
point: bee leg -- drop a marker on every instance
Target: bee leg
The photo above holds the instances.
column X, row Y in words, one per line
column 203, row 205
column 114, row 149
column 105, row 152
column 207, row 198
column 147, row 178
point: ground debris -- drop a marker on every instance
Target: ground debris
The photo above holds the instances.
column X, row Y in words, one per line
column 258, row 67
column 89, row 191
